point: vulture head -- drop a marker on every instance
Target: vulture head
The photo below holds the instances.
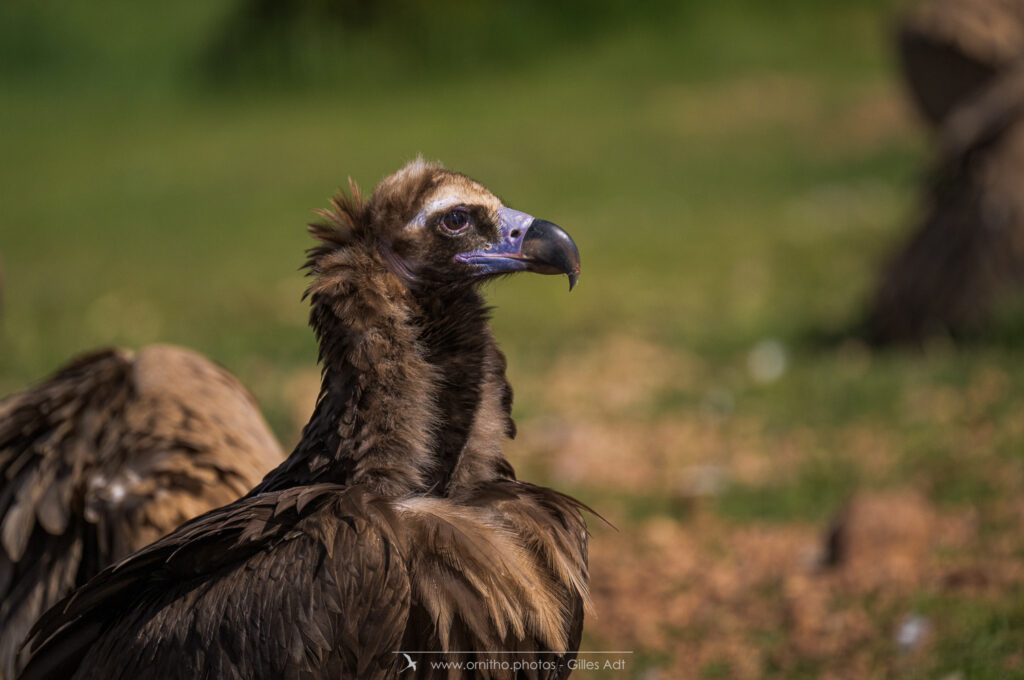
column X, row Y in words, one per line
column 414, row 396
column 434, row 228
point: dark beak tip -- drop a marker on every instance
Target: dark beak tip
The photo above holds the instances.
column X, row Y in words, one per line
column 552, row 251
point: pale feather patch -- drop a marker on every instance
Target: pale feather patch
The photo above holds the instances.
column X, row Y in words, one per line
column 476, row 544
column 416, row 166
column 452, row 195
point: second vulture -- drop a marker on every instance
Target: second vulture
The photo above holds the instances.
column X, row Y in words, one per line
column 112, row 452
column 396, row 533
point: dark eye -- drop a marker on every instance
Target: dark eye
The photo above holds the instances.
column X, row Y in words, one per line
column 456, row 220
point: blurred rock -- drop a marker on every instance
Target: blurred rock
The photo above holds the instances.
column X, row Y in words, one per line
column 767, row 361
column 882, row 539
column 912, row 631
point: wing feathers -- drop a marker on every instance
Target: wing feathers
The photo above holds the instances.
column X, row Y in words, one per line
column 325, row 577
column 107, row 455
column 502, row 559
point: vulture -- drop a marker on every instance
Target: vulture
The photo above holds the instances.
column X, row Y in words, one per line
column 951, row 50
column 962, row 266
column 396, row 535
column 111, row 453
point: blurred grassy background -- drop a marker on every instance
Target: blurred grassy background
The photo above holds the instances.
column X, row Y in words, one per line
column 734, row 172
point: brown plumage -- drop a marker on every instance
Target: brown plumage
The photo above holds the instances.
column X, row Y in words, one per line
column 108, row 455
column 396, row 524
column 964, row 261
column 951, row 50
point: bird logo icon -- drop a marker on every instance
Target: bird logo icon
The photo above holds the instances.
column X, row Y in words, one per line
column 408, row 660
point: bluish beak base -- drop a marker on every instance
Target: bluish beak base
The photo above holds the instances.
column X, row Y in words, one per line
column 527, row 244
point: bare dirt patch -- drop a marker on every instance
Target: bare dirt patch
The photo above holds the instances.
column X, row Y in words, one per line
column 699, row 595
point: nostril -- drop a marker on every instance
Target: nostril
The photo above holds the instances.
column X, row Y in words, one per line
column 515, row 233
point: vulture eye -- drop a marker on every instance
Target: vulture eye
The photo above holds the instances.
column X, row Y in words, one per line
column 455, row 221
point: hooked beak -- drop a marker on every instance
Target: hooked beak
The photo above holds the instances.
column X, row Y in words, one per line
column 527, row 244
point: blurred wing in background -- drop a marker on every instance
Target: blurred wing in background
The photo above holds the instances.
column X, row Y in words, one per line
column 963, row 66
column 111, row 453
column 950, row 50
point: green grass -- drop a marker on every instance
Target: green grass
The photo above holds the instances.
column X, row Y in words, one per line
column 814, row 493
column 979, row 639
column 138, row 191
